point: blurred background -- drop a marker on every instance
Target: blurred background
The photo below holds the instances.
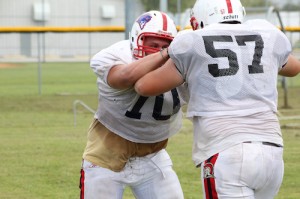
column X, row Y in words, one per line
column 21, row 42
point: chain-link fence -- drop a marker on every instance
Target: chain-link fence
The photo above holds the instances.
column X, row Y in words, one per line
column 80, row 46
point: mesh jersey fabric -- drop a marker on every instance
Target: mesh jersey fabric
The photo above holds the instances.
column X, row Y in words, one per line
column 124, row 112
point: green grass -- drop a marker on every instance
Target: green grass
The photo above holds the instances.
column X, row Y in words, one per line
column 40, row 148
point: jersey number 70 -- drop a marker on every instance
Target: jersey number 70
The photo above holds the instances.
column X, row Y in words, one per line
column 157, row 109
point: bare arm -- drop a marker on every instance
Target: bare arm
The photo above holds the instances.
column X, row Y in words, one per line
column 125, row 76
column 292, row 67
column 160, row 80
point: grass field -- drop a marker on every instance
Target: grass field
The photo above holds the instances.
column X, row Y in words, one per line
column 40, row 148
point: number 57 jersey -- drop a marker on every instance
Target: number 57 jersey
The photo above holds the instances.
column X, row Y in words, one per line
column 124, row 112
column 231, row 69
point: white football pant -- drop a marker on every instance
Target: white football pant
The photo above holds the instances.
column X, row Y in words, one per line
column 148, row 177
column 244, row 171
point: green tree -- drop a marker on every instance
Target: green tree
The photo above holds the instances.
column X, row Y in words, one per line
column 291, row 7
column 255, row 3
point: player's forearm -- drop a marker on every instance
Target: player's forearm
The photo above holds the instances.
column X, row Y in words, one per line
column 292, row 67
column 126, row 76
column 159, row 81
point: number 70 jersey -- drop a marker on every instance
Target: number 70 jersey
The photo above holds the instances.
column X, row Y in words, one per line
column 131, row 116
column 231, row 69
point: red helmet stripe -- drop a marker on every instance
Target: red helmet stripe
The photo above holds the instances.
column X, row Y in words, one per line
column 165, row 23
column 229, row 6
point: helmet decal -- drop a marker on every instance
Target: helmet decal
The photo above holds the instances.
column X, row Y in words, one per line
column 194, row 23
column 165, row 22
column 143, row 20
column 229, row 6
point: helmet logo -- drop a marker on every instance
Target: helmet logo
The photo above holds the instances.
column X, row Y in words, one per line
column 143, row 20
column 194, row 23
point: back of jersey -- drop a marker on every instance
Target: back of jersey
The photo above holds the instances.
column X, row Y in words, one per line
column 231, row 69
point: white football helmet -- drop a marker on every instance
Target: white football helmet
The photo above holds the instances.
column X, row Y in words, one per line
column 154, row 24
column 206, row 12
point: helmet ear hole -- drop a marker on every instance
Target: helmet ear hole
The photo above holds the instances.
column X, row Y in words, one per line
column 201, row 24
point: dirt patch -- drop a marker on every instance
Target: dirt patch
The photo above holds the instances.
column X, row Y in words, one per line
column 8, row 65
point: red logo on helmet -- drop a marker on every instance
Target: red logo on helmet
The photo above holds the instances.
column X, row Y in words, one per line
column 143, row 20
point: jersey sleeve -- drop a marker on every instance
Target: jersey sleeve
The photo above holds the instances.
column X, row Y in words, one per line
column 283, row 49
column 104, row 60
column 178, row 52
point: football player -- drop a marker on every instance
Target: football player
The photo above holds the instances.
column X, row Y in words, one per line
column 127, row 139
column 231, row 69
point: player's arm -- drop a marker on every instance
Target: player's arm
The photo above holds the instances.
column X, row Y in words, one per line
column 159, row 81
column 292, row 67
column 125, row 76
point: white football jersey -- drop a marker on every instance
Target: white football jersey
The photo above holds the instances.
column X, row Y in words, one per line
column 231, row 71
column 124, row 112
